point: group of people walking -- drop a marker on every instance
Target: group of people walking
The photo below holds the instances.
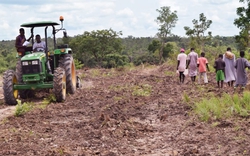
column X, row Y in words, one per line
column 228, row 68
column 192, row 62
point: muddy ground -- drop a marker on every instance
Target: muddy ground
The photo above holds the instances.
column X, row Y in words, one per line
column 132, row 112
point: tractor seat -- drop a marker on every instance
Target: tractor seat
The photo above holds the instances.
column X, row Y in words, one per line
column 21, row 50
column 28, row 48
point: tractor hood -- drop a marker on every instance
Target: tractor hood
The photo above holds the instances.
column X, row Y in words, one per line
column 33, row 56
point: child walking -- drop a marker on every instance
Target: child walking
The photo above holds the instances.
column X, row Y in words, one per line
column 203, row 67
column 219, row 66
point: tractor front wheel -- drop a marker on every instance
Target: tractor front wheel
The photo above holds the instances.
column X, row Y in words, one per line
column 10, row 95
column 26, row 93
column 59, row 84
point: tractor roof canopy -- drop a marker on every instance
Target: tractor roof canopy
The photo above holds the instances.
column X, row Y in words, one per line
column 39, row 24
column 45, row 24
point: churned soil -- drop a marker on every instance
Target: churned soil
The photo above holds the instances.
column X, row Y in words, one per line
column 137, row 112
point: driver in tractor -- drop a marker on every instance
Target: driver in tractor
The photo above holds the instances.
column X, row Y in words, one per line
column 40, row 46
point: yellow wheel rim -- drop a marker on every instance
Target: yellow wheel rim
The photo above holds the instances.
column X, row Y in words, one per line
column 73, row 73
column 15, row 92
column 64, row 85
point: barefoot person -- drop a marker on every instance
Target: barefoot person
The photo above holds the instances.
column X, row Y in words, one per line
column 219, row 66
column 181, row 64
column 241, row 64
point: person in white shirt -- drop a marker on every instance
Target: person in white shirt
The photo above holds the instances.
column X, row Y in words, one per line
column 39, row 45
column 181, row 64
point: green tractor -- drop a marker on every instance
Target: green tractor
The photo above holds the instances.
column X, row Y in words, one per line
column 32, row 72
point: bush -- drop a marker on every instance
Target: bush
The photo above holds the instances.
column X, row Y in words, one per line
column 78, row 64
column 115, row 60
column 146, row 58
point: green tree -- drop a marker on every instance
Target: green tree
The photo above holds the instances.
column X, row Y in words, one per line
column 243, row 24
column 135, row 46
column 166, row 21
column 167, row 50
column 155, row 45
column 197, row 34
column 92, row 47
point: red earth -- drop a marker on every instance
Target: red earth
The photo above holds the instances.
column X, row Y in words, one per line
column 134, row 112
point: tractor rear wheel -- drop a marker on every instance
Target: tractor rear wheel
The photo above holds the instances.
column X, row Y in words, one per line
column 10, row 95
column 59, row 84
column 67, row 62
column 26, row 93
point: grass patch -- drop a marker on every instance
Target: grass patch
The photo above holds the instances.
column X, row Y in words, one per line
column 109, row 73
column 116, row 98
column 169, row 73
column 227, row 106
column 142, row 90
column 119, row 88
column 95, row 73
column 130, row 67
column 82, row 75
column 186, row 98
column 23, row 108
column 5, row 120
column 46, row 101
column 137, row 90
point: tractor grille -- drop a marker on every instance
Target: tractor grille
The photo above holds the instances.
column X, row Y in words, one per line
column 31, row 67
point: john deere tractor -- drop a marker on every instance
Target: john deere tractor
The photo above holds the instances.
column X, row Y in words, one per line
column 32, row 72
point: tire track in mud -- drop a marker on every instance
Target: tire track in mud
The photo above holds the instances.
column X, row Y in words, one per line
column 8, row 110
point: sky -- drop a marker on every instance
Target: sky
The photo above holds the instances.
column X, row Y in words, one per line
column 132, row 17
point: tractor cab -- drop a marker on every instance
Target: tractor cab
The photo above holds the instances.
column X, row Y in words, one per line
column 49, row 53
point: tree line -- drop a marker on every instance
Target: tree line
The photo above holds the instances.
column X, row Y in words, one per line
column 104, row 48
column 107, row 49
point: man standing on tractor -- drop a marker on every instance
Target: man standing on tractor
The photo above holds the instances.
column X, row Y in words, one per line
column 20, row 39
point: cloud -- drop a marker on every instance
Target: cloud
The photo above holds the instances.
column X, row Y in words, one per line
column 107, row 12
column 132, row 17
column 4, row 25
column 216, row 2
column 125, row 12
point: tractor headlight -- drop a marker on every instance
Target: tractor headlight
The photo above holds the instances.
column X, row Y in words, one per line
column 25, row 63
column 35, row 62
